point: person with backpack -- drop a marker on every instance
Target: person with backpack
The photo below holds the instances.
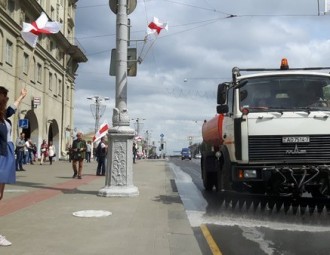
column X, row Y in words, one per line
column 101, row 153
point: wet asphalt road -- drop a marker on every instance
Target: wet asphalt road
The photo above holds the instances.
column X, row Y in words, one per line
column 246, row 231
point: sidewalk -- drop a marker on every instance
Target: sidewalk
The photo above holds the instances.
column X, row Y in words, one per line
column 36, row 214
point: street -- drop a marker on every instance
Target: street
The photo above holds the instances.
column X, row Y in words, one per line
column 242, row 230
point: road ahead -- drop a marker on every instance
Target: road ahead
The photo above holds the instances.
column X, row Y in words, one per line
column 247, row 231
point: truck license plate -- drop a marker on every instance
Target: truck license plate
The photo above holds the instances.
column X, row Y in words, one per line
column 295, row 139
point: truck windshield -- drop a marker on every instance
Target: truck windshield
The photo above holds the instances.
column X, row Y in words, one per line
column 287, row 92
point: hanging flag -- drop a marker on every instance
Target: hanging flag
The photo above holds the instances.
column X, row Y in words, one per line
column 42, row 25
column 101, row 132
column 156, row 26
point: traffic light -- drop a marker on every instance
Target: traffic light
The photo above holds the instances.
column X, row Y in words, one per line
column 162, row 146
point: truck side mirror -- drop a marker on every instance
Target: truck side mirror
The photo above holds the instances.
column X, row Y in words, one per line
column 222, row 93
column 223, row 108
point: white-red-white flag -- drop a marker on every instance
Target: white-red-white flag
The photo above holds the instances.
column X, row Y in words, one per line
column 101, row 132
column 42, row 25
column 156, row 26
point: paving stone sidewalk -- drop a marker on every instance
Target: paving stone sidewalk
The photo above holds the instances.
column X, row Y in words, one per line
column 36, row 214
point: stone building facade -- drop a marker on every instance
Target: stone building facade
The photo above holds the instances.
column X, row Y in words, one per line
column 47, row 71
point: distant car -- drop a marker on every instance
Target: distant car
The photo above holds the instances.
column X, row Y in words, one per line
column 185, row 154
column 198, row 156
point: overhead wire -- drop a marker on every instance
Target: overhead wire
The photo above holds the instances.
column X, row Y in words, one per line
column 198, row 24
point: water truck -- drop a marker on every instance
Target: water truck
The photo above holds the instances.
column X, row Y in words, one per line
column 271, row 133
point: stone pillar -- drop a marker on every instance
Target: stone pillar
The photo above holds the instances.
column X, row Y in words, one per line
column 119, row 174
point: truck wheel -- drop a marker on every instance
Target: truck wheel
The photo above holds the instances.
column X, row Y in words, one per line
column 223, row 175
column 208, row 181
column 209, row 178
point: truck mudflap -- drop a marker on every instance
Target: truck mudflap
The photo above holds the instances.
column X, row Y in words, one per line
column 283, row 180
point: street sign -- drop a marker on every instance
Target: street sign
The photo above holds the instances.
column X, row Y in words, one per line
column 23, row 123
column 131, row 5
column 36, row 100
column 131, row 62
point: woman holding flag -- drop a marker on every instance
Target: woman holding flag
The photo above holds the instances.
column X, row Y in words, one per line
column 7, row 154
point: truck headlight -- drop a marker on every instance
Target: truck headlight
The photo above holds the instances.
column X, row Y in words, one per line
column 250, row 173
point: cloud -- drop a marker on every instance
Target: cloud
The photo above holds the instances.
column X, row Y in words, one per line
column 175, row 86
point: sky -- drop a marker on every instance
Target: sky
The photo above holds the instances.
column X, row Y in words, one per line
column 176, row 83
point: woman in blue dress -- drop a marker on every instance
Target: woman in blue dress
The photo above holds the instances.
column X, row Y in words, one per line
column 7, row 152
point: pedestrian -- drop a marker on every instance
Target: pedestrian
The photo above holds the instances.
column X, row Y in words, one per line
column 29, row 146
column 25, row 155
column 20, row 151
column 7, row 154
column 79, row 149
column 88, row 151
column 43, row 151
column 69, row 152
column 134, row 152
column 101, row 153
column 51, row 152
column 35, row 152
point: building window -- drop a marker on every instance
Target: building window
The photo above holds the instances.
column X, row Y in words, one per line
column 58, row 55
column 50, row 85
column 34, row 73
column 51, row 47
column 9, row 52
column 52, row 13
column 55, row 85
column 11, row 7
column 59, row 87
column 39, row 72
column 26, row 63
column 1, row 47
column 67, row 93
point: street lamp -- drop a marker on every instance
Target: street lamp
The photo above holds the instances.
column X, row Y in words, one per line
column 119, row 172
column 138, row 125
column 97, row 109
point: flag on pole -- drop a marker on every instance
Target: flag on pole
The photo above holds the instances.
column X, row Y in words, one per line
column 156, row 26
column 42, row 25
column 101, row 132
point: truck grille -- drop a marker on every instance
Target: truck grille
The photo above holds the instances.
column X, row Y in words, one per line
column 271, row 148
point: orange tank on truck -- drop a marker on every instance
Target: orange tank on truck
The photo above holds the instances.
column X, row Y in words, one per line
column 212, row 130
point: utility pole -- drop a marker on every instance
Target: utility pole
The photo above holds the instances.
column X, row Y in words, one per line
column 138, row 125
column 148, row 133
column 119, row 172
column 97, row 109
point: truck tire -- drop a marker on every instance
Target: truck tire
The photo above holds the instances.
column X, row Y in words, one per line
column 208, row 172
column 224, row 174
